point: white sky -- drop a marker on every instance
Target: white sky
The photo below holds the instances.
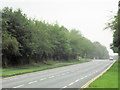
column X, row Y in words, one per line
column 88, row 16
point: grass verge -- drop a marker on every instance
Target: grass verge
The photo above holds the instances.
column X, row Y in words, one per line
column 16, row 71
column 108, row 80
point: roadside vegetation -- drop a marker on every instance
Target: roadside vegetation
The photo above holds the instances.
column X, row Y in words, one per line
column 16, row 70
column 108, row 80
column 26, row 41
column 114, row 25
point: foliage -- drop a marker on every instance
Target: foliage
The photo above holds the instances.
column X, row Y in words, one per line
column 28, row 40
column 10, row 48
column 114, row 25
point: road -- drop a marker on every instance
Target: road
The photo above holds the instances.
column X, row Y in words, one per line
column 73, row 76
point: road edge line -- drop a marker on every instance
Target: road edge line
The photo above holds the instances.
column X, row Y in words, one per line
column 93, row 79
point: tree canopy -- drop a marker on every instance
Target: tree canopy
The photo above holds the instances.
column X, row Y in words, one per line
column 28, row 40
column 114, row 25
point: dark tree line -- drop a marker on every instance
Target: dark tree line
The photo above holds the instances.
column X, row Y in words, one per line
column 114, row 25
column 26, row 40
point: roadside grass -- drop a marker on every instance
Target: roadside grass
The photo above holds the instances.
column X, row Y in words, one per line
column 7, row 69
column 108, row 80
column 38, row 67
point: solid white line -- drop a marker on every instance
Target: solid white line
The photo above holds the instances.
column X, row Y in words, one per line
column 32, row 82
column 43, row 79
column 19, row 86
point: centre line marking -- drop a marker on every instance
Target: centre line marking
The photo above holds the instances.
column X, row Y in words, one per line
column 32, row 82
column 51, row 76
column 43, row 79
column 19, row 86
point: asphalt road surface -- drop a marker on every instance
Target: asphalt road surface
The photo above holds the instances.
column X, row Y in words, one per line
column 73, row 76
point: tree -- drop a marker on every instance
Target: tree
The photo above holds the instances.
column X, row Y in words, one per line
column 10, row 49
column 115, row 27
column 28, row 40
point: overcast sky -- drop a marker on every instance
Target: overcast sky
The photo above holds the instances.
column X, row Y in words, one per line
column 87, row 16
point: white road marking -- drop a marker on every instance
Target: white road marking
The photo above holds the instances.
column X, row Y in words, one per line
column 32, row 82
column 63, row 74
column 71, row 83
column 64, row 87
column 43, row 79
column 77, row 80
column 82, row 78
column 19, row 86
column 51, row 76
